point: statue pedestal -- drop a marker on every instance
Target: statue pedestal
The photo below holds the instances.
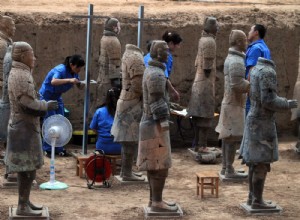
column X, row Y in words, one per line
column 232, row 180
column 132, row 182
column 166, row 215
column 13, row 216
column 10, row 181
column 251, row 211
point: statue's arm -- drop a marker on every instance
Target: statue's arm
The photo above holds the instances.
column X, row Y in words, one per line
column 33, row 106
column 114, row 57
column 269, row 98
column 136, row 72
column 158, row 105
column 238, row 83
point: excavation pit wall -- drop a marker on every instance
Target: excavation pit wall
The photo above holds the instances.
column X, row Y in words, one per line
column 53, row 37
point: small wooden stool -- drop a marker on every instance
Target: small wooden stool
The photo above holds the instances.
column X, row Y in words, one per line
column 213, row 183
column 83, row 158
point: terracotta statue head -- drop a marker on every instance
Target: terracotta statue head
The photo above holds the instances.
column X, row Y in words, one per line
column 112, row 24
column 238, row 40
column 7, row 26
column 159, row 51
column 211, row 25
column 23, row 52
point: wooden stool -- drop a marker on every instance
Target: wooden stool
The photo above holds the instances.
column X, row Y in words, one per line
column 83, row 158
column 213, row 183
column 81, row 164
column 113, row 161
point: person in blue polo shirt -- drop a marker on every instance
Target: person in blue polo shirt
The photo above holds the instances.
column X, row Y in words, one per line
column 102, row 122
column 173, row 40
column 257, row 48
column 59, row 80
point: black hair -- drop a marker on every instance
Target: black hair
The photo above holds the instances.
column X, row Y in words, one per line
column 111, row 99
column 149, row 42
column 172, row 36
column 75, row 59
column 261, row 30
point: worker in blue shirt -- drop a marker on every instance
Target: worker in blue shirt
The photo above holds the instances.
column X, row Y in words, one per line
column 257, row 48
column 102, row 122
column 59, row 80
column 173, row 40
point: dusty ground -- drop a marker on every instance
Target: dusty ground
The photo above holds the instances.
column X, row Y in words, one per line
column 125, row 202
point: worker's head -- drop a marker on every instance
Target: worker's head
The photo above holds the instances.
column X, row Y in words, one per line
column 74, row 63
column 257, row 31
column 112, row 24
column 22, row 52
column 111, row 100
column 173, row 40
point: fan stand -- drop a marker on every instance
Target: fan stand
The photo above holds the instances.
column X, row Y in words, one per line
column 53, row 184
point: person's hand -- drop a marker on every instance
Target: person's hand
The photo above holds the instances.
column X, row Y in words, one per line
column 52, row 105
column 74, row 81
column 293, row 103
column 207, row 72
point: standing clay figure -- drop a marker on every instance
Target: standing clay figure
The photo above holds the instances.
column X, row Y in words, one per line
column 296, row 111
column 202, row 102
column 7, row 31
column 231, row 122
column 259, row 146
column 24, row 153
column 154, row 154
column 129, row 111
column 110, row 60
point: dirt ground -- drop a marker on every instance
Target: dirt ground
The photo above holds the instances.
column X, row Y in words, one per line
column 126, row 201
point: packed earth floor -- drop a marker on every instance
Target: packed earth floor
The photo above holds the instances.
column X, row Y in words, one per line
column 127, row 201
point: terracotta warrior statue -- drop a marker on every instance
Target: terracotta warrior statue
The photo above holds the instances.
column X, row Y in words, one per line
column 259, row 146
column 7, row 31
column 202, row 102
column 24, row 153
column 296, row 111
column 231, row 122
column 154, row 153
column 129, row 110
column 110, row 59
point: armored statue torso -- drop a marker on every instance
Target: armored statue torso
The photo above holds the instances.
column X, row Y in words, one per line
column 231, row 122
column 109, row 64
column 5, row 42
column 129, row 107
column 202, row 102
column 110, row 59
column 5, row 66
column 154, row 142
column 260, row 143
column 24, row 149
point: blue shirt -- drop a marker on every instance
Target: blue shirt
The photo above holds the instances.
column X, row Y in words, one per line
column 168, row 64
column 255, row 50
column 50, row 92
column 102, row 122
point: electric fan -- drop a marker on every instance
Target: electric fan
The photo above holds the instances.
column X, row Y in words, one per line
column 56, row 131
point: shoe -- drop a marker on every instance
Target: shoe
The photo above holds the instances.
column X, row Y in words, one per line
column 64, row 153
